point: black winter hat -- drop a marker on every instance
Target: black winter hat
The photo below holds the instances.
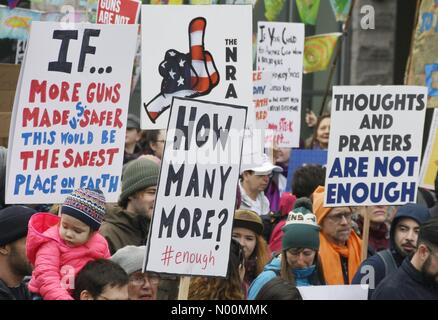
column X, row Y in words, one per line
column 13, row 223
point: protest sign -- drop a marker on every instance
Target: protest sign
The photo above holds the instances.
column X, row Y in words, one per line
column 196, row 51
column 70, row 109
column 261, row 88
column 117, row 12
column 374, row 148
column 280, row 49
column 429, row 166
column 191, row 226
column 423, row 62
column 302, row 157
column 336, row 292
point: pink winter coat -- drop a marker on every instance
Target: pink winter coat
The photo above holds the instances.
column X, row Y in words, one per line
column 48, row 253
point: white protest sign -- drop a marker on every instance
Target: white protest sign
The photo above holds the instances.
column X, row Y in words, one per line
column 261, row 91
column 191, row 227
column 70, row 112
column 195, row 51
column 336, row 292
column 375, row 145
column 280, row 48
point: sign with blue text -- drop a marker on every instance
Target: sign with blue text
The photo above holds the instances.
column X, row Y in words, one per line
column 194, row 207
column 69, row 117
column 375, row 145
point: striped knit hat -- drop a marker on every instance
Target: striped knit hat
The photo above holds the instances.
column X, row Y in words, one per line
column 86, row 205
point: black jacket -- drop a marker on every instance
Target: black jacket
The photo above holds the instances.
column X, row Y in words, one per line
column 375, row 262
column 405, row 284
column 19, row 293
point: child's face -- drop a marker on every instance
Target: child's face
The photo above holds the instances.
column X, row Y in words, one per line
column 73, row 231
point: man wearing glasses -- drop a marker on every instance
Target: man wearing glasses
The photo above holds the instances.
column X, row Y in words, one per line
column 142, row 286
column 417, row 277
column 340, row 248
column 254, row 180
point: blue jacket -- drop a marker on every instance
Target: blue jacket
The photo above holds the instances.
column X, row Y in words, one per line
column 303, row 277
column 405, row 284
column 413, row 211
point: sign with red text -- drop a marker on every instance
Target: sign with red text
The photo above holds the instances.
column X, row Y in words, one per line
column 261, row 90
column 117, row 11
column 194, row 206
column 70, row 110
column 374, row 151
column 280, row 48
column 195, row 51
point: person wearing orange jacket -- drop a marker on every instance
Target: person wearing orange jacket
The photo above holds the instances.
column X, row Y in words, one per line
column 340, row 248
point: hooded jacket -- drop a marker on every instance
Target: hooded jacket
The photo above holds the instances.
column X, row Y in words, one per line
column 303, row 277
column 413, row 211
column 53, row 259
column 122, row 228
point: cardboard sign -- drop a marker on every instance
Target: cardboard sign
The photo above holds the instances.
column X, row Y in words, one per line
column 196, row 51
column 194, row 207
column 374, row 148
column 280, row 49
column 70, row 109
column 302, row 157
column 429, row 166
column 117, row 11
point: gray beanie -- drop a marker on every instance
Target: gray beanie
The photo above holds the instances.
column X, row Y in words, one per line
column 138, row 174
column 130, row 258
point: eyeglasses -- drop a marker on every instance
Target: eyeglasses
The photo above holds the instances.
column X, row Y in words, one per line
column 140, row 279
column 337, row 218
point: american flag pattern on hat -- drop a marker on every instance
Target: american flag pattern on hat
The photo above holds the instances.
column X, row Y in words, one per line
column 185, row 75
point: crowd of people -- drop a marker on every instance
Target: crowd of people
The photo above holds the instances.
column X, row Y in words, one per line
column 88, row 249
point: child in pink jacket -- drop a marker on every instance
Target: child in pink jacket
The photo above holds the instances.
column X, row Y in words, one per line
column 59, row 247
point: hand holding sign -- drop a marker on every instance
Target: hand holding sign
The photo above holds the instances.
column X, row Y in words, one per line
column 185, row 75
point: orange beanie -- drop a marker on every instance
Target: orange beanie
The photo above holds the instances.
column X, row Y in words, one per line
column 318, row 201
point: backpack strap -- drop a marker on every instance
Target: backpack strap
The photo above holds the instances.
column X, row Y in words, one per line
column 388, row 260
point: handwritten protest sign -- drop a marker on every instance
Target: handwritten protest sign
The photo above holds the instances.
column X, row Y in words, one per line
column 429, row 166
column 280, row 49
column 193, row 214
column 70, row 109
column 261, row 89
column 117, row 11
column 375, row 145
column 196, row 51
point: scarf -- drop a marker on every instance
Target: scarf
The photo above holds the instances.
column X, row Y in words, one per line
column 331, row 258
column 302, row 276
